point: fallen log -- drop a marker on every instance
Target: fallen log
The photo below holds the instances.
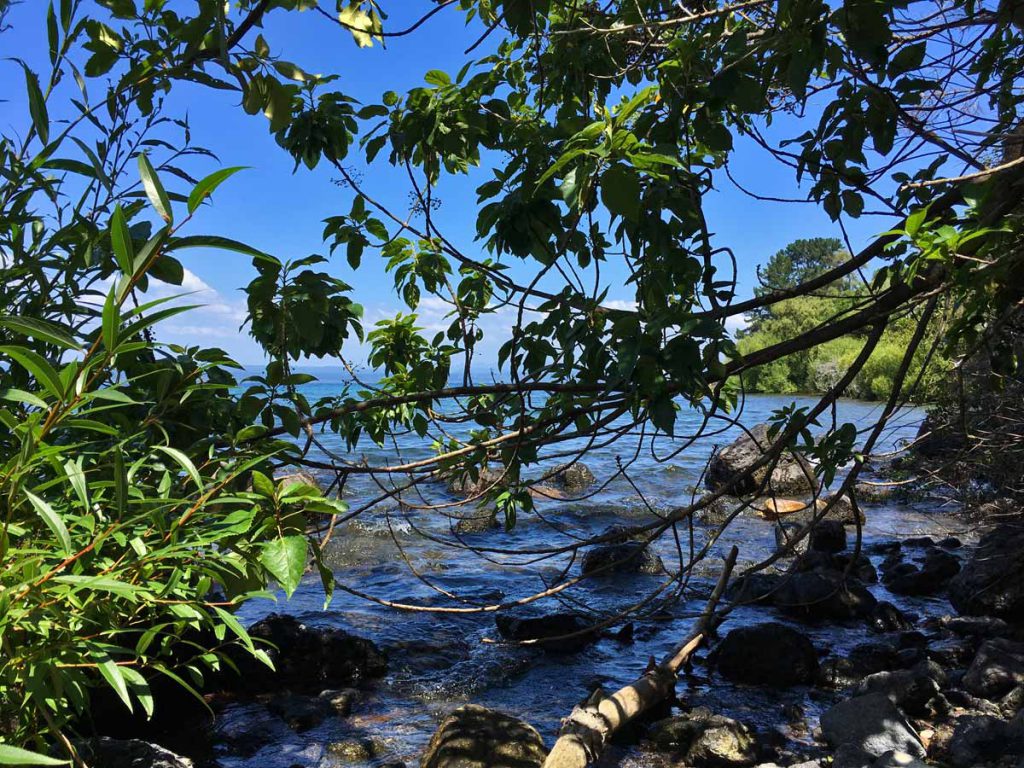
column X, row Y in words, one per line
column 588, row 728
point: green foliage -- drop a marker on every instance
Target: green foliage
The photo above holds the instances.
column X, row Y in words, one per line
column 136, row 475
column 821, row 367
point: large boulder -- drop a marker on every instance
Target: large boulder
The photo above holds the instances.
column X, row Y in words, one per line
column 305, row 658
column 557, row 630
column 998, row 668
column 702, row 739
column 992, row 580
column 791, row 474
column 912, row 690
column 477, row 737
column 872, row 723
column 623, row 557
column 980, row 740
column 766, row 654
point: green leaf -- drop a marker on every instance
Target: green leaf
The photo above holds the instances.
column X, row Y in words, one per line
column 207, row 186
column 620, row 191
column 121, row 240
column 154, row 189
column 100, row 584
column 42, row 330
column 111, row 320
column 359, row 23
column 663, row 414
column 37, row 105
column 437, row 77
column 223, row 243
column 35, row 364
column 114, row 676
column 11, row 755
column 184, row 462
column 262, row 484
column 21, row 396
column 285, row 559
column 52, row 520
column 140, row 687
column 76, row 476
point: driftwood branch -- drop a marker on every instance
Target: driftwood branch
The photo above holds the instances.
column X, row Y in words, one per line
column 589, row 727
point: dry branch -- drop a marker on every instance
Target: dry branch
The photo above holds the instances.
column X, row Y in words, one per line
column 589, row 727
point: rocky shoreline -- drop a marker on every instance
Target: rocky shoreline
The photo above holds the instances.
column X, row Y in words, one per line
column 938, row 690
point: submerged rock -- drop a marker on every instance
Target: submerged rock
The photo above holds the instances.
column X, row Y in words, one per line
column 305, row 658
column 766, row 654
column 477, row 737
column 870, row 722
column 300, row 712
column 992, row 580
column 791, row 474
column 549, row 629
column 701, row 739
column 625, row 557
column 481, row 521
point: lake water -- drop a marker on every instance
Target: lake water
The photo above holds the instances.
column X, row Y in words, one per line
column 439, row 661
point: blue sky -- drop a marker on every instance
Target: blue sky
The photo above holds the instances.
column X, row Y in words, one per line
column 282, row 212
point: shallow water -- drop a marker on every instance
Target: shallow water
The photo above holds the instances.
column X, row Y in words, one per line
column 439, row 661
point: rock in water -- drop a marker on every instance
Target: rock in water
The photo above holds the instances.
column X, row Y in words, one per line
column 573, row 478
column 766, row 654
column 820, row 595
column 828, row 536
column 128, row 753
column 306, row 658
column 705, row 739
column 792, row 474
column 774, row 509
column 627, row 557
column 298, row 477
column 872, row 723
column 992, row 581
column 477, row 737
column 547, row 628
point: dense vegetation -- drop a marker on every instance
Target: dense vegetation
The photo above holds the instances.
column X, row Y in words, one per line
column 138, row 501
column 819, row 368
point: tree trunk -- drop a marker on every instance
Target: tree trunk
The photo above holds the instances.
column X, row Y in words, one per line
column 589, row 727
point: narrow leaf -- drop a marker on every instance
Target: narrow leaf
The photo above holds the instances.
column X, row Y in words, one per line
column 10, row 755
column 121, row 240
column 154, row 189
column 207, row 186
column 52, row 520
column 41, row 330
column 36, row 364
column 37, row 106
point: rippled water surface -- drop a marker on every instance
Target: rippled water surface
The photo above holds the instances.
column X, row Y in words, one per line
column 438, row 661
